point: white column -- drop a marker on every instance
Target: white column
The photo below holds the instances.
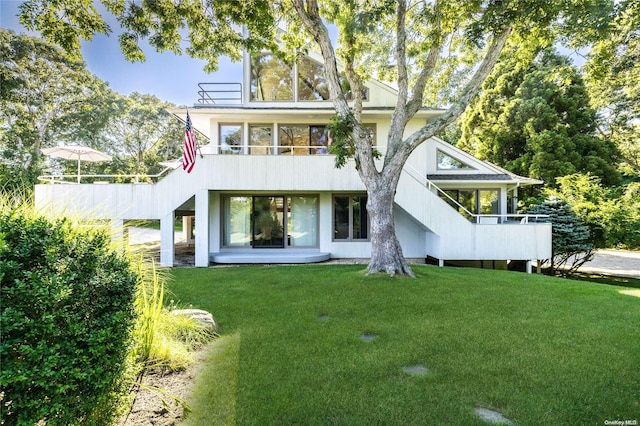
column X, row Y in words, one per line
column 167, row 237
column 503, row 202
column 441, row 263
column 187, row 228
column 245, row 138
column 529, row 266
column 274, row 139
column 215, row 213
column 202, row 228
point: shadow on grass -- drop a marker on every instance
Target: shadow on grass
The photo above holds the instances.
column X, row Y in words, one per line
column 217, row 381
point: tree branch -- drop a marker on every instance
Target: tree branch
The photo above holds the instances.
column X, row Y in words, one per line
column 471, row 89
column 310, row 18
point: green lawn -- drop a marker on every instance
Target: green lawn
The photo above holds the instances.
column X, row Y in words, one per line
column 539, row 350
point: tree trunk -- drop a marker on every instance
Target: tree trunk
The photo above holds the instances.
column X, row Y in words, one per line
column 386, row 253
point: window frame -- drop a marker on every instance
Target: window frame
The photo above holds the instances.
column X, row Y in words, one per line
column 350, row 197
column 228, row 150
column 224, row 216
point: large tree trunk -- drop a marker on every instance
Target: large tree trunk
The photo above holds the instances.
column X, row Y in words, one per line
column 386, row 253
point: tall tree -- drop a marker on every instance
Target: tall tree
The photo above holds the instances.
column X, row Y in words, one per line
column 439, row 51
column 535, row 120
column 46, row 97
column 613, row 79
column 141, row 133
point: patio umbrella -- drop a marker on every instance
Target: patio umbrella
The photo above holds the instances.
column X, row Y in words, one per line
column 76, row 152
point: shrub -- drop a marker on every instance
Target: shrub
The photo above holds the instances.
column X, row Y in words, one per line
column 572, row 244
column 66, row 315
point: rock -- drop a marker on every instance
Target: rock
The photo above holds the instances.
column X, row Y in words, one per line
column 491, row 416
column 199, row 315
column 416, row 370
column 368, row 337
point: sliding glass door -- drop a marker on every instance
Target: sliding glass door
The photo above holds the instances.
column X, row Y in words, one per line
column 268, row 222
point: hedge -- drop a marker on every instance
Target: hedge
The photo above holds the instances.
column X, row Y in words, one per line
column 66, row 304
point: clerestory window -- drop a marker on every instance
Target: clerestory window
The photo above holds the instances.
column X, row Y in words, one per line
column 447, row 162
column 272, row 79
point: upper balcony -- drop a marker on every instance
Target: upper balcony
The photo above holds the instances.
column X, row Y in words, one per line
column 219, row 94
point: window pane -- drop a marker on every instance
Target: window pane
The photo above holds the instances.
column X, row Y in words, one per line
column 318, row 137
column 230, row 139
column 512, row 202
column 293, row 139
column 451, row 201
column 260, row 140
column 237, row 222
column 341, row 218
column 446, row 162
column 360, row 222
column 303, row 221
column 271, row 79
column 489, row 202
column 311, row 83
column 268, row 221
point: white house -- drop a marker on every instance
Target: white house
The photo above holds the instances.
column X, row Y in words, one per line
column 265, row 189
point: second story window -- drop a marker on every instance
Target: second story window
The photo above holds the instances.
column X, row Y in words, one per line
column 230, row 139
column 311, row 83
column 300, row 139
column 271, row 79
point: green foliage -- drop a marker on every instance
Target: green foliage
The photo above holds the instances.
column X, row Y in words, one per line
column 613, row 79
column 341, row 130
column 213, row 29
column 535, row 120
column 139, row 134
column 612, row 214
column 46, row 98
column 572, row 243
column 148, row 307
column 161, row 340
column 67, row 310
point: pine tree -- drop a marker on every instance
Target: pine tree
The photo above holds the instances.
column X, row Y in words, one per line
column 572, row 244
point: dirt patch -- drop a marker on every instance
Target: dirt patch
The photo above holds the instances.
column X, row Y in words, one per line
column 155, row 403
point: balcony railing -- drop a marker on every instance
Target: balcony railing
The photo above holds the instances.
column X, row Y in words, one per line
column 102, row 179
column 220, row 93
column 482, row 219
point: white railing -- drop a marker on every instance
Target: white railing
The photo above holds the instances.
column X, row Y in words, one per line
column 482, row 219
column 274, row 150
column 102, row 179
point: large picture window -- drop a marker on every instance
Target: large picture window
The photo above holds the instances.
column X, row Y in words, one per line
column 350, row 219
column 279, row 221
column 299, row 139
column 271, row 79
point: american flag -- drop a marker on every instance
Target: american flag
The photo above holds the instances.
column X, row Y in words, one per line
column 190, row 147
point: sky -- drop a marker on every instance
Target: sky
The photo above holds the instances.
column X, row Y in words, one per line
column 172, row 78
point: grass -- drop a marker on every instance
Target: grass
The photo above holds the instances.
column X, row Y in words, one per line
column 539, row 350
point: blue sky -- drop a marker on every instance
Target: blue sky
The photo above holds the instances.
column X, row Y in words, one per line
column 172, row 78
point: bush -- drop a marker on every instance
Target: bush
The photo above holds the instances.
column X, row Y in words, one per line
column 66, row 315
column 572, row 244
